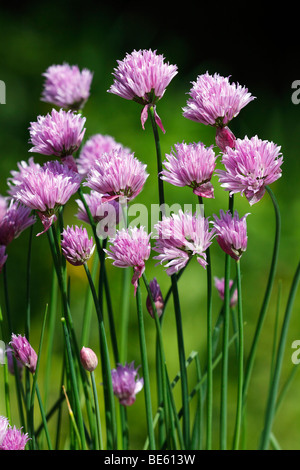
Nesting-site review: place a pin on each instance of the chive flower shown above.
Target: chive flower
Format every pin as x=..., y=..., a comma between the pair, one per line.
x=93, y=149
x=250, y=167
x=66, y=86
x=231, y=233
x=116, y=175
x=215, y=101
x=191, y=165
x=59, y=133
x=143, y=76
x=76, y=246
x=126, y=383
x=130, y=248
x=180, y=237
x=45, y=189
x=14, y=221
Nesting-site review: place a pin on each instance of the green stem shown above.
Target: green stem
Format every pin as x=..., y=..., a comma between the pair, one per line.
x=263, y=311
x=183, y=372
x=209, y=348
x=145, y=368
x=159, y=162
x=271, y=405
x=240, y=360
x=110, y=412
x=99, y=445
x=75, y=389
x=224, y=377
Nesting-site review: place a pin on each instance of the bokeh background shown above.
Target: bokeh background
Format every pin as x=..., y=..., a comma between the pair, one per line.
x=259, y=51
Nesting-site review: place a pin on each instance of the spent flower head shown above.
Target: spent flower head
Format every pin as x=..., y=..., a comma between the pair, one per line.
x=66, y=86
x=143, y=76
x=181, y=236
x=191, y=165
x=249, y=167
x=126, y=383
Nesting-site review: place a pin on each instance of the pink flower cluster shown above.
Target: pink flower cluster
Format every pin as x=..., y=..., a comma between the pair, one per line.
x=143, y=76
x=11, y=438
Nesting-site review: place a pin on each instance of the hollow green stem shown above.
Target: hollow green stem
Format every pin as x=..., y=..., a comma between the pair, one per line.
x=145, y=368
x=271, y=404
x=110, y=412
x=263, y=311
x=224, y=377
x=183, y=372
x=240, y=360
x=99, y=444
x=159, y=161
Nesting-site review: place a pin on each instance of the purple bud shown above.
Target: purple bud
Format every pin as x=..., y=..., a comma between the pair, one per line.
x=225, y=138
x=88, y=359
x=24, y=352
x=157, y=298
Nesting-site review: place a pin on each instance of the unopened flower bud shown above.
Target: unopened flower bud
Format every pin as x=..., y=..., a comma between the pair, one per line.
x=225, y=138
x=88, y=359
x=24, y=352
x=157, y=299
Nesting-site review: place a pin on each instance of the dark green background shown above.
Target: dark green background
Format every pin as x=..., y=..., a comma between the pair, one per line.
x=259, y=50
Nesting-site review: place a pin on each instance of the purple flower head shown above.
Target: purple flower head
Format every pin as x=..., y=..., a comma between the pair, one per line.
x=180, y=237
x=17, y=177
x=24, y=352
x=215, y=101
x=130, y=248
x=88, y=359
x=126, y=383
x=93, y=149
x=14, y=439
x=225, y=138
x=219, y=284
x=3, y=256
x=157, y=299
x=191, y=165
x=117, y=174
x=15, y=220
x=76, y=245
x=250, y=167
x=59, y=133
x=45, y=189
x=231, y=233
x=3, y=428
x=65, y=86
x=143, y=76
x=107, y=214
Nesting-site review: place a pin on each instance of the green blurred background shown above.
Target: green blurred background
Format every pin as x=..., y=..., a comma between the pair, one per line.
x=245, y=43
